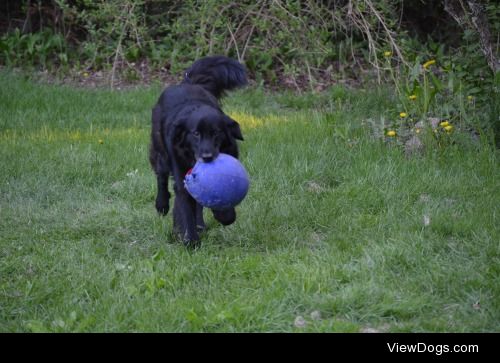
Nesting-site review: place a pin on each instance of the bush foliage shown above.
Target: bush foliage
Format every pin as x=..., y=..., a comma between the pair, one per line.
x=287, y=43
x=297, y=38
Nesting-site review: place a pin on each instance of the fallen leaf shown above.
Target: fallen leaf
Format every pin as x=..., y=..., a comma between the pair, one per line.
x=299, y=322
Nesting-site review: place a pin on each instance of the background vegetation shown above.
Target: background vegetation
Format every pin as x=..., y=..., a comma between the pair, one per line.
x=302, y=45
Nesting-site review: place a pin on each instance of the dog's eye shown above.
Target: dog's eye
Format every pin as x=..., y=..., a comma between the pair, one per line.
x=196, y=134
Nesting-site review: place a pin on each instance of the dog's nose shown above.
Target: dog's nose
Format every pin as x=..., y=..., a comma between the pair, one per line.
x=207, y=156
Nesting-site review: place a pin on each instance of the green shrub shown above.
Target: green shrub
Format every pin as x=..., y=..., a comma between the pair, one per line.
x=43, y=49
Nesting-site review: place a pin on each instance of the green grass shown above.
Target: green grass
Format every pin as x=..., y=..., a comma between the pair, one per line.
x=333, y=222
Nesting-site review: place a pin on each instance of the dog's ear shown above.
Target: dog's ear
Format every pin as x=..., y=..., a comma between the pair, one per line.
x=233, y=127
x=176, y=132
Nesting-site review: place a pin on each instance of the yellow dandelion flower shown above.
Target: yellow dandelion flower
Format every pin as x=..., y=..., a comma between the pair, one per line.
x=412, y=97
x=417, y=131
x=429, y=63
x=391, y=133
x=448, y=128
x=445, y=123
x=85, y=74
x=403, y=114
x=387, y=53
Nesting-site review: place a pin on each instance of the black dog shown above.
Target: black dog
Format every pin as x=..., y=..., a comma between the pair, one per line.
x=189, y=125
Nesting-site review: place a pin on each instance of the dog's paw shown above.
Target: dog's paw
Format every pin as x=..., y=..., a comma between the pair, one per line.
x=191, y=240
x=192, y=244
x=162, y=207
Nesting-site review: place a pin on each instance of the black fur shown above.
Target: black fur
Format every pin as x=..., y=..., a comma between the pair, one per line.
x=188, y=124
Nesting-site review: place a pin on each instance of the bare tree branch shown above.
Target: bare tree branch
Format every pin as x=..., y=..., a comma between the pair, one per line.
x=472, y=16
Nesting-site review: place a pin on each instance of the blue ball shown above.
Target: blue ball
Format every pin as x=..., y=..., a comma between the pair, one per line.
x=220, y=184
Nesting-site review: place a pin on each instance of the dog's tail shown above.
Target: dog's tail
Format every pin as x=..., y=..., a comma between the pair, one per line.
x=216, y=74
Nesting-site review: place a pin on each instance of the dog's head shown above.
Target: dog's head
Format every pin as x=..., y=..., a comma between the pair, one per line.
x=205, y=130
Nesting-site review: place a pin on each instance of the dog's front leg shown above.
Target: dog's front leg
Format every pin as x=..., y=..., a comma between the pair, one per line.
x=185, y=216
x=184, y=204
x=200, y=223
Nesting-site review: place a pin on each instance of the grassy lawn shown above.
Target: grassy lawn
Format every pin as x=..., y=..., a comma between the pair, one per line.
x=332, y=229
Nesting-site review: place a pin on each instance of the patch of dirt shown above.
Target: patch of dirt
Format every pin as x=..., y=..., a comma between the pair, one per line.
x=136, y=75
x=315, y=187
x=139, y=74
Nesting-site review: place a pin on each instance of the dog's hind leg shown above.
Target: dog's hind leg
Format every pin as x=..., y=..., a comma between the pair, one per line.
x=163, y=195
x=162, y=172
x=158, y=159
